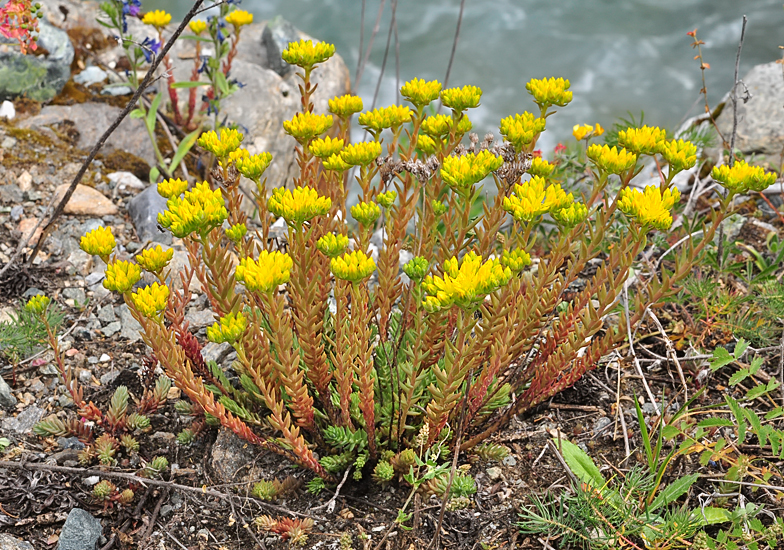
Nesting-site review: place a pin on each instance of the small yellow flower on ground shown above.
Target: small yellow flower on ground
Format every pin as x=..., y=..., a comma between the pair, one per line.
x=239, y=18
x=417, y=268
x=516, y=260
x=570, y=216
x=366, y=213
x=610, y=159
x=200, y=210
x=38, y=304
x=228, y=141
x=332, y=244
x=462, y=173
x=155, y=259
x=236, y=232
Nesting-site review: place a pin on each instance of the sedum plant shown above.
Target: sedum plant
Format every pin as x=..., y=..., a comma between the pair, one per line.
x=344, y=361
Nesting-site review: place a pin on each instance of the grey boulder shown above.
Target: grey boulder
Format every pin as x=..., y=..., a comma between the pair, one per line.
x=81, y=531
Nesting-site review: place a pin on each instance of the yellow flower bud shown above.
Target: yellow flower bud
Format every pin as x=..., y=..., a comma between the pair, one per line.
x=465, y=283
x=742, y=178
x=98, y=242
x=229, y=329
x=642, y=141
x=236, y=232
x=420, y=93
x=346, y=105
x=306, y=54
x=571, y=215
x=541, y=167
x=265, y=274
x=460, y=99
x=336, y=163
x=298, y=206
x=197, y=26
x=386, y=199
x=332, y=244
x=549, y=91
x=650, y=207
x=366, y=213
x=157, y=18
x=386, y=117
x=37, y=304
x=610, y=159
x=172, y=188
x=462, y=173
x=228, y=141
x=238, y=18
x=522, y=129
x=120, y=276
x=151, y=299
x=361, y=154
x=200, y=210
x=681, y=155
x=353, y=266
x=417, y=268
x=516, y=260
x=155, y=259
x=306, y=126
x=325, y=148
x=250, y=166
x=426, y=144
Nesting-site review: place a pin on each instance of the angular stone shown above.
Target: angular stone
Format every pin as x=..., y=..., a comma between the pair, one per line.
x=86, y=201
x=81, y=531
x=130, y=326
x=91, y=75
x=275, y=38
x=7, y=542
x=91, y=120
x=37, y=77
x=144, y=209
x=24, y=421
x=125, y=181
x=7, y=110
x=232, y=459
x=26, y=227
x=7, y=399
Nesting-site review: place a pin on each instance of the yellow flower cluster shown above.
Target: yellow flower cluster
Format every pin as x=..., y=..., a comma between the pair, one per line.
x=265, y=274
x=228, y=141
x=229, y=329
x=521, y=129
x=251, y=166
x=151, y=299
x=346, y=105
x=336, y=162
x=742, y=178
x=332, y=244
x=326, y=147
x=460, y=99
x=385, y=117
x=361, y=154
x=352, y=266
x=201, y=209
x=298, y=206
x=121, y=276
x=238, y=18
x=426, y=144
x=366, y=213
x=541, y=167
x=305, y=53
x=516, y=260
x=534, y=198
x=37, y=304
x=305, y=126
x=650, y=207
x=420, y=93
x=416, y=268
x=642, y=141
x=681, y=155
x=571, y=215
x=172, y=188
x=198, y=26
x=610, y=159
x=157, y=18
x=462, y=173
x=386, y=199
x=99, y=242
x=587, y=131
x=549, y=91
x=236, y=232
x=155, y=259
x=465, y=283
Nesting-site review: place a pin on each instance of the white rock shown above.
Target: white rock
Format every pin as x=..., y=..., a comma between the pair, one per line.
x=104, y=358
x=125, y=180
x=7, y=110
x=25, y=181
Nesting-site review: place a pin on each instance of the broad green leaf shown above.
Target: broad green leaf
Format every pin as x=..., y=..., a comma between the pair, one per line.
x=711, y=516
x=775, y=413
x=756, y=363
x=756, y=425
x=673, y=491
x=196, y=38
x=223, y=84
x=137, y=113
x=714, y=422
x=738, y=377
x=189, y=84
x=737, y=412
x=185, y=145
x=154, y=173
x=756, y=391
x=721, y=357
x=740, y=348
x=153, y=112
x=669, y=431
x=581, y=464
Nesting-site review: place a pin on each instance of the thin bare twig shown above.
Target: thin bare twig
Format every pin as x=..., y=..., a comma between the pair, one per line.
x=330, y=504
x=364, y=58
x=454, y=43
x=670, y=351
x=386, y=55
x=58, y=210
x=735, y=94
x=634, y=355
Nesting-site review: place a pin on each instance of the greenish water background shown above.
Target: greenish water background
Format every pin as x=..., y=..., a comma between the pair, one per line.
x=620, y=55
